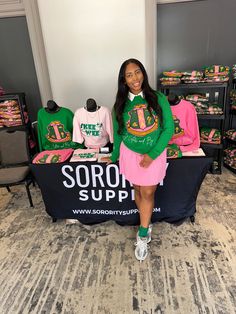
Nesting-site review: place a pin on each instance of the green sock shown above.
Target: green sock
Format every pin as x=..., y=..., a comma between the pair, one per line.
x=142, y=232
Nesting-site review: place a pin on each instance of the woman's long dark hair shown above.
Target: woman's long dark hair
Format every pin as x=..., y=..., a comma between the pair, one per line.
x=123, y=91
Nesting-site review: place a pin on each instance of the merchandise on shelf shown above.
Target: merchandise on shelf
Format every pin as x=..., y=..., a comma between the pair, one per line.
x=231, y=134
x=210, y=135
x=173, y=74
x=234, y=71
x=216, y=73
x=13, y=110
x=211, y=74
x=192, y=77
x=230, y=157
x=195, y=98
x=233, y=99
x=202, y=105
x=171, y=78
x=10, y=114
x=209, y=100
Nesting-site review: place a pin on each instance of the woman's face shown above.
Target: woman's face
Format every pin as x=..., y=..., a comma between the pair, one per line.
x=134, y=78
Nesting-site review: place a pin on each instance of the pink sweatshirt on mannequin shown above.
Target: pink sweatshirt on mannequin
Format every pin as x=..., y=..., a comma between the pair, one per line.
x=186, y=126
x=93, y=128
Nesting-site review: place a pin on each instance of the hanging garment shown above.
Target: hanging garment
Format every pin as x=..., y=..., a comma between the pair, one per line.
x=186, y=134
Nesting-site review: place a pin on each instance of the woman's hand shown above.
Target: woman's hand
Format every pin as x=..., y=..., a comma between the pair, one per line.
x=107, y=160
x=146, y=161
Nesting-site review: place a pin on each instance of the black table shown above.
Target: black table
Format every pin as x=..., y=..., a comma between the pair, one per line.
x=95, y=192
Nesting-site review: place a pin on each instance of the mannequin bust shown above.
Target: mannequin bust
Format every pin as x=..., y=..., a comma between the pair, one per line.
x=91, y=105
x=52, y=106
x=173, y=99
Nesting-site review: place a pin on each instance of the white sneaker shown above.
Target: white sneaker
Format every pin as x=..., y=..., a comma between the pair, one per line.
x=141, y=250
x=71, y=221
x=149, y=234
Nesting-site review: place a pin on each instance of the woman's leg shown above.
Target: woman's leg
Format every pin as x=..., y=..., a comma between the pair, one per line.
x=146, y=204
x=144, y=199
x=137, y=195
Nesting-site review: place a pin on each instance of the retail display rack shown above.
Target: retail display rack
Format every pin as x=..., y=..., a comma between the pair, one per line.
x=218, y=94
x=230, y=143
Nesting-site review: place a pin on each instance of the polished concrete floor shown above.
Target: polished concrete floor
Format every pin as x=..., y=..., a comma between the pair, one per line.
x=50, y=267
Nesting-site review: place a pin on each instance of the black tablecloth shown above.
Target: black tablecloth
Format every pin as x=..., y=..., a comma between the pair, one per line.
x=94, y=192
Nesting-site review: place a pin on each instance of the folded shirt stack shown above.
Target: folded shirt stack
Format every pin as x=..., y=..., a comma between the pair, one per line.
x=234, y=71
x=193, y=77
x=10, y=113
x=194, y=98
x=173, y=151
x=199, y=101
x=216, y=73
x=171, y=78
x=53, y=156
x=233, y=99
x=231, y=134
x=202, y=105
x=210, y=135
x=80, y=154
x=215, y=109
x=230, y=157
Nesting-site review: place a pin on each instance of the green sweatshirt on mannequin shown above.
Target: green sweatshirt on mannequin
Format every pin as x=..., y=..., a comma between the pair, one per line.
x=55, y=129
x=143, y=132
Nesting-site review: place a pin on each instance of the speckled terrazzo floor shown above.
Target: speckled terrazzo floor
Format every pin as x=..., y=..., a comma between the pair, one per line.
x=49, y=267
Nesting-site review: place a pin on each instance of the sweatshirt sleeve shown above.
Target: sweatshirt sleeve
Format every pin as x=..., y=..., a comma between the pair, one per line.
x=117, y=139
x=167, y=127
x=109, y=127
x=70, y=117
x=77, y=134
x=39, y=131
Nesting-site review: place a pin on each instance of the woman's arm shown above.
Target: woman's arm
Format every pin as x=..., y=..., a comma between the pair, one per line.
x=167, y=127
x=117, y=139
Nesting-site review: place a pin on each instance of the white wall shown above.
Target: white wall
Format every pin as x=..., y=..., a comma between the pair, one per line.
x=86, y=41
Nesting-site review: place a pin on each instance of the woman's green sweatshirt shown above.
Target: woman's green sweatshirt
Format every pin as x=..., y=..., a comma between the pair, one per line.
x=143, y=132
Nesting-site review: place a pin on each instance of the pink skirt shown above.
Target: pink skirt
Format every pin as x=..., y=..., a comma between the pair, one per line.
x=130, y=168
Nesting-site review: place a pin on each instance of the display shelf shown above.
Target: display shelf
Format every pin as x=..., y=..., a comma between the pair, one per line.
x=227, y=141
x=193, y=86
x=208, y=145
x=230, y=141
x=229, y=168
x=211, y=116
x=232, y=111
x=21, y=104
x=15, y=128
x=16, y=118
x=218, y=94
